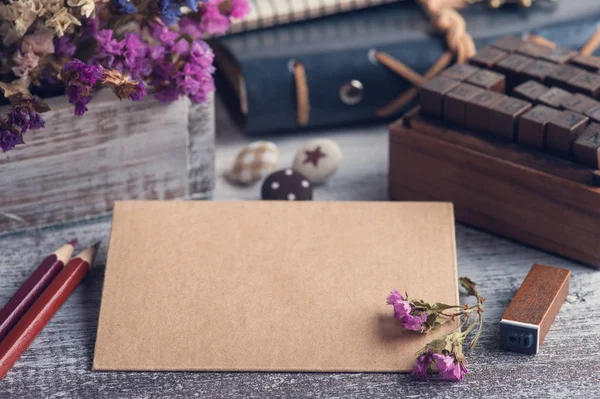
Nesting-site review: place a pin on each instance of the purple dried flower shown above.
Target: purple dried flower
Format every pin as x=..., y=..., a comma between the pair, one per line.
x=24, y=117
x=77, y=71
x=182, y=47
x=422, y=367
x=239, y=8
x=64, y=47
x=414, y=322
x=138, y=92
x=158, y=52
x=91, y=26
x=191, y=28
x=163, y=34
x=450, y=368
x=107, y=43
x=35, y=120
x=9, y=139
x=18, y=117
x=134, y=48
x=195, y=81
x=136, y=56
x=202, y=54
x=403, y=311
x=402, y=308
x=213, y=21
x=108, y=49
x=167, y=94
x=80, y=80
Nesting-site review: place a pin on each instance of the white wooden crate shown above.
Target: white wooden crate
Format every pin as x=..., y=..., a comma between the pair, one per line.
x=76, y=167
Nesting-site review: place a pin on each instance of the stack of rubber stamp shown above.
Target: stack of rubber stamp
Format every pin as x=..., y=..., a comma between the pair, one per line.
x=553, y=105
x=513, y=139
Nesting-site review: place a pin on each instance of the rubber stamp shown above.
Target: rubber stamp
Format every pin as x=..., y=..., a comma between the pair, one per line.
x=530, y=314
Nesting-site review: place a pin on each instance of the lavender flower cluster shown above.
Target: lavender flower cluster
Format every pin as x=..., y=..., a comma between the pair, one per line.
x=136, y=44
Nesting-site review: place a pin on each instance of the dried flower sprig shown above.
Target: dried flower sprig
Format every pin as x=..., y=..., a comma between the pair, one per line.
x=445, y=354
x=24, y=115
x=82, y=79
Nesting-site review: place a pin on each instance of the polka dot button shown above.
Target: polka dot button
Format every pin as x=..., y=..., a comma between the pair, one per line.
x=286, y=185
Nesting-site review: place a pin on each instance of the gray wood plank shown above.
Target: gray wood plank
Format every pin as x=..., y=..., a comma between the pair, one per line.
x=76, y=167
x=58, y=364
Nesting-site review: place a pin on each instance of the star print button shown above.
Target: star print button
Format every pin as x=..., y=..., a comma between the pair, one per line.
x=286, y=185
x=318, y=159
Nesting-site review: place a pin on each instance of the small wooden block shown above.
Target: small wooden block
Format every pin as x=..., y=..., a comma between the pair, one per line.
x=504, y=115
x=455, y=102
x=488, y=80
x=587, y=83
x=589, y=62
x=514, y=63
x=594, y=113
x=538, y=70
x=512, y=67
x=562, y=75
x=530, y=90
x=587, y=146
x=555, y=97
x=559, y=55
x=478, y=110
x=432, y=93
x=534, y=307
x=533, y=50
x=460, y=72
x=487, y=57
x=509, y=43
x=562, y=131
x=579, y=103
x=532, y=126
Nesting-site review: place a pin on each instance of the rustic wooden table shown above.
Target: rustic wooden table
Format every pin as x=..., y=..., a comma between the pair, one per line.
x=58, y=364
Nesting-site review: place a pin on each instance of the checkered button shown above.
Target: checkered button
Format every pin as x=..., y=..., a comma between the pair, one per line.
x=254, y=162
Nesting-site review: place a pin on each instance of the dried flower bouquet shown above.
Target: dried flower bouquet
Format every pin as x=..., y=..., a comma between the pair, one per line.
x=81, y=45
x=443, y=356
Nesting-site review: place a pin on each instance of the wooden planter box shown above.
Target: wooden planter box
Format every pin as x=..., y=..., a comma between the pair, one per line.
x=77, y=167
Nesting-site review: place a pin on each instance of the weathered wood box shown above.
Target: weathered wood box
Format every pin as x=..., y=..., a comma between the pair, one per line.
x=529, y=196
x=76, y=167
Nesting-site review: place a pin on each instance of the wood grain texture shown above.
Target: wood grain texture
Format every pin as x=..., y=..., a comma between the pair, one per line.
x=512, y=191
x=58, y=364
x=76, y=167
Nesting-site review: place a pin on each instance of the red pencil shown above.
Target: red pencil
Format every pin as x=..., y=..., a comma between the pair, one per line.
x=42, y=310
x=33, y=287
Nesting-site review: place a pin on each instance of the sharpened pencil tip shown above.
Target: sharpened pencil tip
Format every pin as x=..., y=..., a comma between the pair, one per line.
x=89, y=254
x=73, y=242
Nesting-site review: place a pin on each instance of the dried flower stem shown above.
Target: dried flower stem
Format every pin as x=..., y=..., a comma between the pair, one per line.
x=443, y=355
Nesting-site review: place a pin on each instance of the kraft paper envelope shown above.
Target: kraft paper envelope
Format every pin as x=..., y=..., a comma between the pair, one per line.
x=270, y=286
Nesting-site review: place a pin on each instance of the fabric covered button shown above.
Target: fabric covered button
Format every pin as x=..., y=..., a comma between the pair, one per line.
x=318, y=159
x=254, y=162
x=286, y=185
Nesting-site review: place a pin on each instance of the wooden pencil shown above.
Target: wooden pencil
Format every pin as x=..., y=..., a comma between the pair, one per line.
x=33, y=287
x=42, y=310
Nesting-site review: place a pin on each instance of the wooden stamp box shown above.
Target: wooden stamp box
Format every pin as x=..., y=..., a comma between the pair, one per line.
x=76, y=167
x=528, y=196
